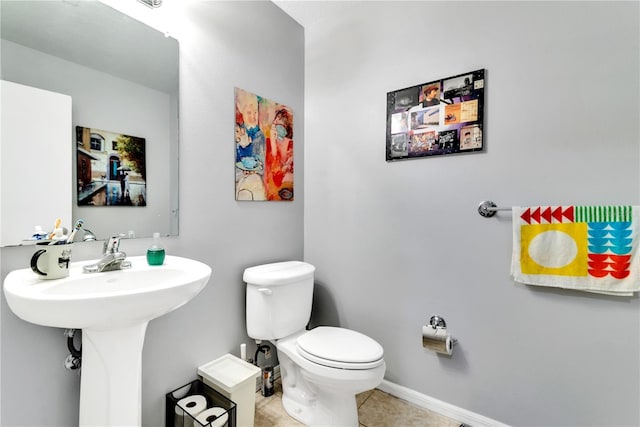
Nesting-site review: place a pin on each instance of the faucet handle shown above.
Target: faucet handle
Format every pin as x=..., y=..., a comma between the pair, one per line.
x=112, y=245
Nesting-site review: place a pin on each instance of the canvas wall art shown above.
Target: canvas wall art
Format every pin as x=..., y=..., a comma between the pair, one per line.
x=111, y=168
x=264, y=148
x=440, y=117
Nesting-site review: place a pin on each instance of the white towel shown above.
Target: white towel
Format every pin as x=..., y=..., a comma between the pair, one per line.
x=589, y=248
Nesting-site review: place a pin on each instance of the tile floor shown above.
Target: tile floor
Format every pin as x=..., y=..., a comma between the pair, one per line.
x=375, y=409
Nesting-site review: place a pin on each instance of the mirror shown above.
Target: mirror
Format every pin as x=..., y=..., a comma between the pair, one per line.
x=122, y=76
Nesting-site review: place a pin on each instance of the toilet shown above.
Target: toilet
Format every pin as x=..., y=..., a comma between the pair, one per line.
x=322, y=369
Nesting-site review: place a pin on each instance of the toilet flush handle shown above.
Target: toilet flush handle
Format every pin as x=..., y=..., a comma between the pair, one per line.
x=265, y=291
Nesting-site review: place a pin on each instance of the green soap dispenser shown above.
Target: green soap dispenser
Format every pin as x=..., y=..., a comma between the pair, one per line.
x=155, y=254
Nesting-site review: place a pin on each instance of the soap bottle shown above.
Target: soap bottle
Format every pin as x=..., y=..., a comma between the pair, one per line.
x=155, y=254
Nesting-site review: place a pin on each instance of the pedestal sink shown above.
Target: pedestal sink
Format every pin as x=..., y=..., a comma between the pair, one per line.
x=113, y=310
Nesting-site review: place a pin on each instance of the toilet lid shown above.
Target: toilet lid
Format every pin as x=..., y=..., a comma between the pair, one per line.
x=340, y=348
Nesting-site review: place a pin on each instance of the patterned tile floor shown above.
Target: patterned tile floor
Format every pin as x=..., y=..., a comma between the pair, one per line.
x=375, y=409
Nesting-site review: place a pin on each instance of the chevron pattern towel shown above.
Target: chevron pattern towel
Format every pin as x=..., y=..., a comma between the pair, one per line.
x=589, y=248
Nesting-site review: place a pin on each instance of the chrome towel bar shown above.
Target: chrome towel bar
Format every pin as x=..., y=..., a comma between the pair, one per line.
x=488, y=209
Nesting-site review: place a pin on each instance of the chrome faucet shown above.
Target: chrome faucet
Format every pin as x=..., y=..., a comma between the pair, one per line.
x=112, y=257
x=88, y=236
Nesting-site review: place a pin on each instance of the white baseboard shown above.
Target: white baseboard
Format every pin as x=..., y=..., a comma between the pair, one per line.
x=423, y=401
x=443, y=408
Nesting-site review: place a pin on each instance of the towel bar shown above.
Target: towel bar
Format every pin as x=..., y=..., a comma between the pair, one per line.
x=488, y=209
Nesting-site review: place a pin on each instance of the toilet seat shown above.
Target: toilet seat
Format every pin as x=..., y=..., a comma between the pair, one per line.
x=340, y=348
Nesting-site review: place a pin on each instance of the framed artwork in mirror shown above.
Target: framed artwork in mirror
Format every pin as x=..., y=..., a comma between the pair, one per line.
x=111, y=168
x=264, y=148
x=440, y=117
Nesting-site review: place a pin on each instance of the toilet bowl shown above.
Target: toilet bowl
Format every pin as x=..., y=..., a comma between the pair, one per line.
x=322, y=369
x=319, y=391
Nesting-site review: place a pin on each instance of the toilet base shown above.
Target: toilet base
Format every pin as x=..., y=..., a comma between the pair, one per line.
x=321, y=396
x=336, y=410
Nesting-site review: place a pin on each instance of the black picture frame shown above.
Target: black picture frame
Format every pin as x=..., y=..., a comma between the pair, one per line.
x=440, y=117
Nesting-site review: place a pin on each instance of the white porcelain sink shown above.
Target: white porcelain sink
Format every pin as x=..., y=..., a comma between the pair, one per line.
x=113, y=310
x=105, y=300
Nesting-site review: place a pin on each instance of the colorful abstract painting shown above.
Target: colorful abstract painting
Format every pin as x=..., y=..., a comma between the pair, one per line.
x=577, y=247
x=264, y=148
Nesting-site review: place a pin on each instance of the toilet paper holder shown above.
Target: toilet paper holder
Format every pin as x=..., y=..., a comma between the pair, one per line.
x=438, y=322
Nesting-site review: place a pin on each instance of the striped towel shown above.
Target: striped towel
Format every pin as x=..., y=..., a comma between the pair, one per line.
x=589, y=248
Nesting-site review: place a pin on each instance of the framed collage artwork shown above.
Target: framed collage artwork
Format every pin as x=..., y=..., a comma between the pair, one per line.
x=440, y=117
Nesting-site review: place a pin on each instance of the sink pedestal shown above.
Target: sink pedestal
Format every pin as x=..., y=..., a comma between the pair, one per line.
x=112, y=309
x=111, y=376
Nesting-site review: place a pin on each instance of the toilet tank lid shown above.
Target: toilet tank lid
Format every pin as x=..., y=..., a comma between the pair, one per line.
x=279, y=273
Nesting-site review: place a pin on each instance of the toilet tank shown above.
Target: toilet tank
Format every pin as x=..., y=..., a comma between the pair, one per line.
x=278, y=301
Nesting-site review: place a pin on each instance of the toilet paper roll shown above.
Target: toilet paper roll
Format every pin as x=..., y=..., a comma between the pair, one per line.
x=437, y=339
x=189, y=408
x=181, y=418
x=214, y=417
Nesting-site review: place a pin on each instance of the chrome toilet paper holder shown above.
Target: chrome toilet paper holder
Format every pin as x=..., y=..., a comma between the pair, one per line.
x=439, y=322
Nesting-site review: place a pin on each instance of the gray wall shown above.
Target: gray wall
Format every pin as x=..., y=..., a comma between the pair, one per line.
x=252, y=45
x=395, y=243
